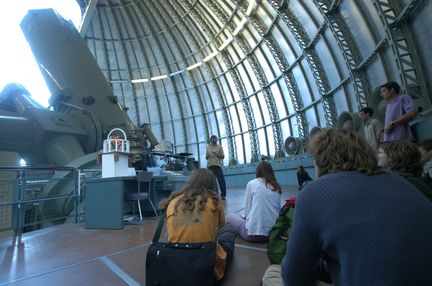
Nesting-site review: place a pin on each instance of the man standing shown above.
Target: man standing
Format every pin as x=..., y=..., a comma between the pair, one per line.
x=400, y=110
x=372, y=128
x=214, y=156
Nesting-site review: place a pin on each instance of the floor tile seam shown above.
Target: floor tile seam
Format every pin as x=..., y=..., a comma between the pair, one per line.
x=117, y=270
x=11, y=240
x=50, y=271
x=128, y=249
x=74, y=264
x=261, y=249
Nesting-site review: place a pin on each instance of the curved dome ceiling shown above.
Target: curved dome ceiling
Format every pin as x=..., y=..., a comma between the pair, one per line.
x=255, y=72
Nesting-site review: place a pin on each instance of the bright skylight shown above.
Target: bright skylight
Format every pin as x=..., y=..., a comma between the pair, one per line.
x=17, y=64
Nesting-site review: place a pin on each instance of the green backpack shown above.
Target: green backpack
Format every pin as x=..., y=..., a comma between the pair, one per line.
x=279, y=233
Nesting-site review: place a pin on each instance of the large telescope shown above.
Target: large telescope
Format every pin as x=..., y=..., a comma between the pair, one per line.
x=83, y=107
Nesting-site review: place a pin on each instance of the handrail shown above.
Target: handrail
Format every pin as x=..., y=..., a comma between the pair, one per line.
x=48, y=168
x=33, y=197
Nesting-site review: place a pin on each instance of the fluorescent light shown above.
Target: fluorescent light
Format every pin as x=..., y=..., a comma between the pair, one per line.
x=250, y=7
x=239, y=26
x=209, y=57
x=176, y=73
x=226, y=43
x=194, y=66
x=159, y=77
x=139, y=80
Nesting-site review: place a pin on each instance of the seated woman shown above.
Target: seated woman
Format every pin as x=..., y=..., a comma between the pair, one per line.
x=302, y=177
x=403, y=158
x=261, y=205
x=195, y=214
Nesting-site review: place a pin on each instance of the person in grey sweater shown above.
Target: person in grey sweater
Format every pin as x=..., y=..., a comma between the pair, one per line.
x=371, y=227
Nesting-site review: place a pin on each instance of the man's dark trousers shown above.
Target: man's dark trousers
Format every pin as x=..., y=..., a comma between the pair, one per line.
x=217, y=171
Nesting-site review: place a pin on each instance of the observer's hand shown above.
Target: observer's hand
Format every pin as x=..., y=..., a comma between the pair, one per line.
x=380, y=134
x=388, y=129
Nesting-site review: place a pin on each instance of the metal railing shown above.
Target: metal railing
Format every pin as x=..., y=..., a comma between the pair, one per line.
x=32, y=198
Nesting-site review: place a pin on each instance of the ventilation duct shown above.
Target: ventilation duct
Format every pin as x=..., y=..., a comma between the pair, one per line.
x=293, y=145
x=349, y=121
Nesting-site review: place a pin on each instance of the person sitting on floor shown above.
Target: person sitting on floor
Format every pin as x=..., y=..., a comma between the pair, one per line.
x=195, y=214
x=372, y=227
x=403, y=158
x=261, y=205
x=302, y=177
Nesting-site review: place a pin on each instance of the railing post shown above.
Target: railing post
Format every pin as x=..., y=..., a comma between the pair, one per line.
x=77, y=182
x=18, y=208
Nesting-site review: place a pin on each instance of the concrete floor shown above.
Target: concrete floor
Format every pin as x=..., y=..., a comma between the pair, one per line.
x=69, y=254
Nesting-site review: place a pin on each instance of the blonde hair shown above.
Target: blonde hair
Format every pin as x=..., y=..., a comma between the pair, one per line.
x=200, y=185
x=336, y=150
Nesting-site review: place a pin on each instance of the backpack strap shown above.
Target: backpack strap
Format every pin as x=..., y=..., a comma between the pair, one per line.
x=288, y=204
x=157, y=233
